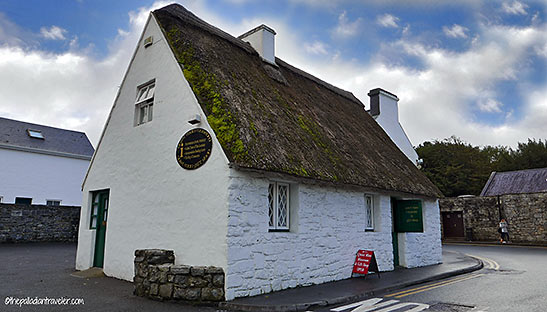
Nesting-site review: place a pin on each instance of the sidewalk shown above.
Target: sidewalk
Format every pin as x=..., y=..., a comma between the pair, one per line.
x=492, y=243
x=353, y=289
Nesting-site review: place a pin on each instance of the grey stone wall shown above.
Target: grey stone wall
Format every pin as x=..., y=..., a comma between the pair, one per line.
x=157, y=277
x=526, y=216
x=38, y=223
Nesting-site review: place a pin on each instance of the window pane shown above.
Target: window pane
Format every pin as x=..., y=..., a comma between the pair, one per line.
x=105, y=209
x=282, y=206
x=271, y=208
x=142, y=94
x=149, y=118
x=94, y=210
x=150, y=93
x=93, y=222
x=143, y=115
x=369, y=212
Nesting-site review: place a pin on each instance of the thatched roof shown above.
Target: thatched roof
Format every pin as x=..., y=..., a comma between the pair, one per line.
x=516, y=182
x=281, y=119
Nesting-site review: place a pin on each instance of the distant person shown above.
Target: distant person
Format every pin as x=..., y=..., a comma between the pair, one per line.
x=503, y=231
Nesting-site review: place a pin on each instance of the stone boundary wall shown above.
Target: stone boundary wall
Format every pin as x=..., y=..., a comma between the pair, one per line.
x=157, y=277
x=526, y=216
x=38, y=223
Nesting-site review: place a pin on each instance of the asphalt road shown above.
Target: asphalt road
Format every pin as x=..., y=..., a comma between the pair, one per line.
x=44, y=270
x=513, y=279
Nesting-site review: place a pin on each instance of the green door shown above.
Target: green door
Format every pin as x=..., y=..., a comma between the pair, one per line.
x=394, y=236
x=99, y=213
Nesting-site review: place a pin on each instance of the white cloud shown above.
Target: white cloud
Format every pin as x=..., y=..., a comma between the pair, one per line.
x=490, y=105
x=53, y=33
x=516, y=8
x=345, y=28
x=76, y=91
x=317, y=47
x=457, y=31
x=70, y=89
x=387, y=20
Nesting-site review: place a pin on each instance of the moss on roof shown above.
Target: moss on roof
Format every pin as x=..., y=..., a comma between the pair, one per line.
x=282, y=119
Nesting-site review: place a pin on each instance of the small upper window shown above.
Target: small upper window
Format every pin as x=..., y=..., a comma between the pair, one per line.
x=369, y=213
x=23, y=200
x=53, y=202
x=144, y=104
x=35, y=134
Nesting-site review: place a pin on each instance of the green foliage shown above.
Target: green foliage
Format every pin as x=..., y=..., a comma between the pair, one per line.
x=458, y=168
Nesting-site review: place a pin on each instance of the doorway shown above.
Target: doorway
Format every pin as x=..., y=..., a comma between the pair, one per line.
x=99, y=214
x=453, y=224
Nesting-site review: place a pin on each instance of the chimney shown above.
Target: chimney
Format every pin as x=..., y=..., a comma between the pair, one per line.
x=384, y=103
x=262, y=39
x=384, y=109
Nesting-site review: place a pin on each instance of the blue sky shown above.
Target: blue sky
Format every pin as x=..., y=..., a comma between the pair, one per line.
x=474, y=69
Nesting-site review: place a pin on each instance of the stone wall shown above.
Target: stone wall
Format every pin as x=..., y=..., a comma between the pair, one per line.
x=38, y=223
x=157, y=277
x=526, y=216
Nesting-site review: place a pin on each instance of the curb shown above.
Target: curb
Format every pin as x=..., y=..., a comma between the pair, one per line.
x=348, y=299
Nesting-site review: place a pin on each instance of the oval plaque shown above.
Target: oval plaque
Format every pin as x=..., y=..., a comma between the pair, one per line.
x=194, y=148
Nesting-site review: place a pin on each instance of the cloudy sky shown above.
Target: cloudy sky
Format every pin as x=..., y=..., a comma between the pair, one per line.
x=469, y=68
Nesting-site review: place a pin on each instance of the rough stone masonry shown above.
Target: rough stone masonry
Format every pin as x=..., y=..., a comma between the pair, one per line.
x=157, y=277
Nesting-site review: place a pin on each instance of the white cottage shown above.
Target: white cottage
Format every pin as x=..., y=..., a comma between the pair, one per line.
x=234, y=158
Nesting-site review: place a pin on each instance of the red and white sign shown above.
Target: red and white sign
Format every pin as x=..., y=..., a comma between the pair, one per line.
x=362, y=261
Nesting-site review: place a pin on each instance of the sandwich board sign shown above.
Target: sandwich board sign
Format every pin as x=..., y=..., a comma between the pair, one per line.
x=365, y=261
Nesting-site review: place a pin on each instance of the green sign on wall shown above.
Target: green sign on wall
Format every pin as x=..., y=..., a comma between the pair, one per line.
x=408, y=216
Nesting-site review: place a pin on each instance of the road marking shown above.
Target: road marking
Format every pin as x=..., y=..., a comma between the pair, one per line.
x=426, y=286
x=385, y=306
x=368, y=302
x=437, y=286
x=491, y=263
x=418, y=307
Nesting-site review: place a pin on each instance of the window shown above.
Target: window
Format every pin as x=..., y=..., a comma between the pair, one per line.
x=278, y=202
x=94, y=211
x=37, y=134
x=23, y=200
x=144, y=104
x=53, y=202
x=369, y=213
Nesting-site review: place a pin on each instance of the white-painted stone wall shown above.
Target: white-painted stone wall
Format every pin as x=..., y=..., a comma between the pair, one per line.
x=41, y=177
x=154, y=203
x=327, y=229
x=420, y=249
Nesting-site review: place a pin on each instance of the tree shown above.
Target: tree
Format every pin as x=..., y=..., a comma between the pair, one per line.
x=458, y=168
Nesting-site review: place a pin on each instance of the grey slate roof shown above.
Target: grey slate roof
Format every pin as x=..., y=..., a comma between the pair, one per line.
x=516, y=182
x=13, y=135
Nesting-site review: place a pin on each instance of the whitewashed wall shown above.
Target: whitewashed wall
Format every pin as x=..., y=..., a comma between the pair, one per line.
x=327, y=229
x=41, y=177
x=154, y=203
x=420, y=249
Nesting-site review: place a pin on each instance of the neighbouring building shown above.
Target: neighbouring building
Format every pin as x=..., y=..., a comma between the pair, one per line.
x=227, y=155
x=42, y=165
x=518, y=196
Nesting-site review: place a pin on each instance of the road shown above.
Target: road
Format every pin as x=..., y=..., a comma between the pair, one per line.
x=513, y=279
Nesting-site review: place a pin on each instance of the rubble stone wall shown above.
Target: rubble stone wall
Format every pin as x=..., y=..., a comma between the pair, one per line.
x=157, y=277
x=38, y=223
x=526, y=215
